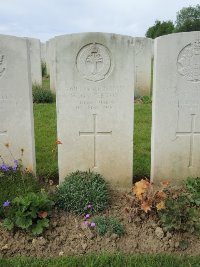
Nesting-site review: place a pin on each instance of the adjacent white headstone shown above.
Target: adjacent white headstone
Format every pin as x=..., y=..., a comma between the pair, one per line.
x=176, y=107
x=43, y=52
x=52, y=64
x=95, y=100
x=35, y=57
x=143, y=58
x=16, y=116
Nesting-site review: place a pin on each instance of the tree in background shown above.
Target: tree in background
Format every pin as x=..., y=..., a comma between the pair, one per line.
x=188, y=19
x=159, y=29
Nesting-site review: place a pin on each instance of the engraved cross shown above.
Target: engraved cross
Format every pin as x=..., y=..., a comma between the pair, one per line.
x=94, y=134
x=191, y=134
x=94, y=58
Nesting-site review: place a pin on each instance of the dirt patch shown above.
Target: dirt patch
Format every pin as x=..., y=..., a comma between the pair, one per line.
x=67, y=235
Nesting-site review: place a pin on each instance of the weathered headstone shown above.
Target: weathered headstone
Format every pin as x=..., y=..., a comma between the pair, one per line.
x=52, y=64
x=95, y=99
x=16, y=116
x=35, y=58
x=176, y=107
x=43, y=52
x=143, y=58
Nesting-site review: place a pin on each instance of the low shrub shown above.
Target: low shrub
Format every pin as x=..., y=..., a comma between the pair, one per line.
x=42, y=95
x=108, y=225
x=79, y=189
x=29, y=212
x=182, y=212
x=15, y=181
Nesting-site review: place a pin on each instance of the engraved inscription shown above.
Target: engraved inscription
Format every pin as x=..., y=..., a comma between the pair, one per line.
x=93, y=98
x=2, y=64
x=188, y=62
x=191, y=134
x=94, y=62
x=94, y=134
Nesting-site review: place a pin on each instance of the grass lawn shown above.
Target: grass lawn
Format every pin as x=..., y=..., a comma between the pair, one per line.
x=117, y=260
x=45, y=138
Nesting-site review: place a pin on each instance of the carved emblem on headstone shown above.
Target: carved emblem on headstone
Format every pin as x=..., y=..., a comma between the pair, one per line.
x=2, y=64
x=94, y=62
x=188, y=62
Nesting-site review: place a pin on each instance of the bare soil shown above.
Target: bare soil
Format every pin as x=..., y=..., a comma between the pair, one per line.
x=67, y=235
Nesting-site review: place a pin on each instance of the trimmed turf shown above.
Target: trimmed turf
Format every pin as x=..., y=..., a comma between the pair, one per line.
x=45, y=140
x=105, y=260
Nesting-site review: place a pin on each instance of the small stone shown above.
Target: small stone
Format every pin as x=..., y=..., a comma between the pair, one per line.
x=54, y=224
x=159, y=232
x=176, y=245
x=61, y=253
x=34, y=241
x=114, y=237
x=5, y=247
x=84, y=246
x=168, y=236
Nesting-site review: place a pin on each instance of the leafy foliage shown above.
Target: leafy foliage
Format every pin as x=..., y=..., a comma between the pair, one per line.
x=108, y=225
x=42, y=95
x=15, y=183
x=182, y=208
x=146, y=99
x=44, y=69
x=28, y=212
x=159, y=29
x=188, y=19
x=193, y=187
x=146, y=199
x=79, y=189
x=179, y=214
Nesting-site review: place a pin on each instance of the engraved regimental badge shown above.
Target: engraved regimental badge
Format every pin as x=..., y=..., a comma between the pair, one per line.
x=188, y=62
x=94, y=62
x=2, y=64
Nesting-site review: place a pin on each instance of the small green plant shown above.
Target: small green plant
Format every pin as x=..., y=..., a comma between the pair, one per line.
x=193, y=187
x=44, y=69
x=79, y=189
x=180, y=214
x=15, y=180
x=28, y=212
x=41, y=95
x=146, y=99
x=108, y=225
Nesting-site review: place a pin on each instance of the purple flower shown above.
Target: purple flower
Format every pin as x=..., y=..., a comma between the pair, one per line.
x=16, y=162
x=89, y=206
x=92, y=224
x=86, y=223
x=4, y=167
x=6, y=204
x=87, y=216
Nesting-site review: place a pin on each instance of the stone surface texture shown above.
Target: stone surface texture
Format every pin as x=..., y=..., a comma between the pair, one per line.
x=35, y=58
x=176, y=108
x=143, y=57
x=52, y=64
x=16, y=116
x=95, y=100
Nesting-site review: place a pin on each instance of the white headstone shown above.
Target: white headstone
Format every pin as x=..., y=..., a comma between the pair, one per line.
x=176, y=107
x=16, y=106
x=35, y=57
x=143, y=57
x=95, y=100
x=52, y=64
x=43, y=52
